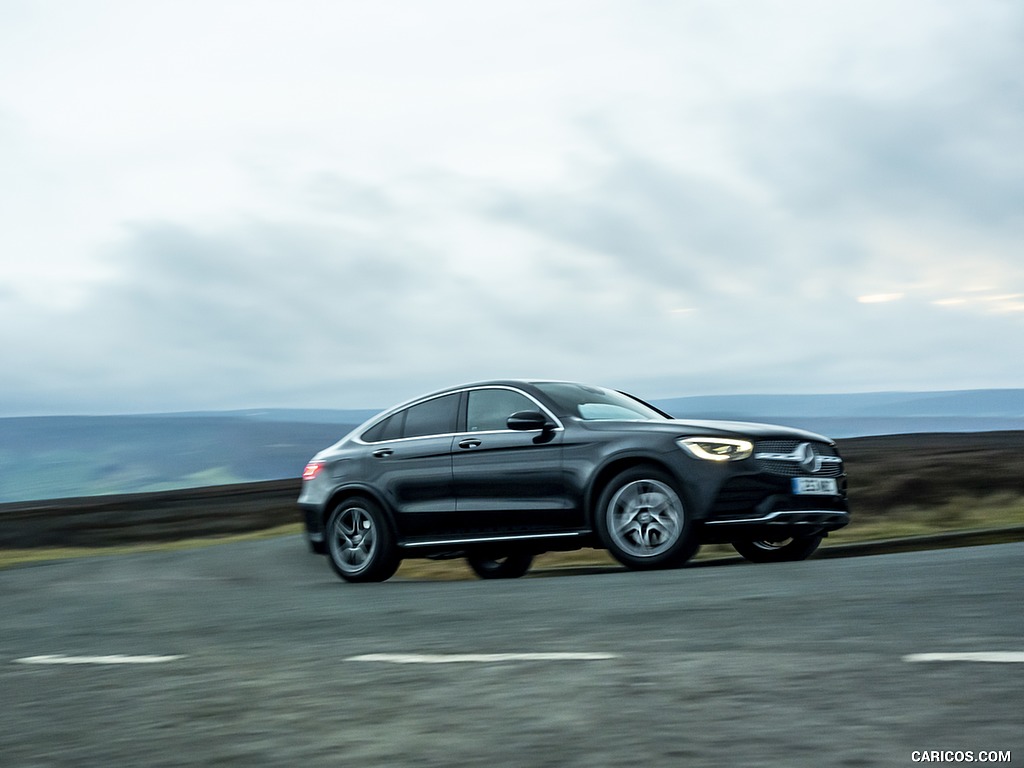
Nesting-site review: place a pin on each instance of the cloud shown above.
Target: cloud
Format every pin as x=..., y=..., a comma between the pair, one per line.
x=349, y=204
x=933, y=136
x=204, y=319
x=648, y=219
x=950, y=158
x=879, y=298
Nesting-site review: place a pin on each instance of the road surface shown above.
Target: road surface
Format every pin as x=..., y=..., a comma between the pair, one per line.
x=254, y=654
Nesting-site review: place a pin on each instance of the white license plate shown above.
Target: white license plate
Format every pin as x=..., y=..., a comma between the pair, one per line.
x=815, y=486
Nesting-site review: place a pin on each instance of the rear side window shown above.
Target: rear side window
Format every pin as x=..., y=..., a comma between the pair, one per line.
x=433, y=417
x=389, y=429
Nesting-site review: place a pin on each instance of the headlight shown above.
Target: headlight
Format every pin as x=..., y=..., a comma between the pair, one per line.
x=716, y=448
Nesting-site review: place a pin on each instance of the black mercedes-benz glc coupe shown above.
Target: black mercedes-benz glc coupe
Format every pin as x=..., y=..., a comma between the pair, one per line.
x=500, y=471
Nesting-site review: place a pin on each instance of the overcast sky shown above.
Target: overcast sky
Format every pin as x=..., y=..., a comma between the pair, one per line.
x=211, y=204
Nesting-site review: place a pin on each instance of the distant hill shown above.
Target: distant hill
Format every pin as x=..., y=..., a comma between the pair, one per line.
x=966, y=403
x=69, y=456
x=861, y=415
x=347, y=418
x=65, y=456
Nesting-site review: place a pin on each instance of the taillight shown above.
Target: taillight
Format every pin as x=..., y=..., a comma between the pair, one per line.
x=312, y=470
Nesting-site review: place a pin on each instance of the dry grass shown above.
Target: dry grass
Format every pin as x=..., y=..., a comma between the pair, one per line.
x=11, y=557
x=888, y=474
x=957, y=514
x=960, y=514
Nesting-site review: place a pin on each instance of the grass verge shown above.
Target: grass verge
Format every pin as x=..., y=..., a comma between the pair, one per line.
x=12, y=557
x=960, y=514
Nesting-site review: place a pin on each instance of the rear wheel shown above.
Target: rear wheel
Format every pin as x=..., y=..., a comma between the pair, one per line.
x=779, y=550
x=643, y=522
x=360, y=545
x=488, y=565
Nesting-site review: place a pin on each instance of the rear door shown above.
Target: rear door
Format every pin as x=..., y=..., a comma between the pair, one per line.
x=411, y=462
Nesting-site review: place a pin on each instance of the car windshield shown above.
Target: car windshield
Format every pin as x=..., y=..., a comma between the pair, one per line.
x=596, y=403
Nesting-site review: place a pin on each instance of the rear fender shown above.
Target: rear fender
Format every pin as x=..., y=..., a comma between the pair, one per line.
x=358, y=489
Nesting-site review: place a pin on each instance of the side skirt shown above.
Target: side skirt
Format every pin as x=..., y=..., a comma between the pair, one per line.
x=557, y=540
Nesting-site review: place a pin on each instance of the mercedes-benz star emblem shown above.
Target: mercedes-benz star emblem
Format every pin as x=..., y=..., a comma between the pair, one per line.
x=809, y=459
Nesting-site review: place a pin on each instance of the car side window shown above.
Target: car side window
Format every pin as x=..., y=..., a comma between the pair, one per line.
x=389, y=429
x=489, y=409
x=433, y=417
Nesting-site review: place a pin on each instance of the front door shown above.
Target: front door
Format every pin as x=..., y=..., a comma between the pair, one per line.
x=507, y=481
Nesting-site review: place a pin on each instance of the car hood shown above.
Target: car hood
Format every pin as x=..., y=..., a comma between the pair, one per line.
x=702, y=427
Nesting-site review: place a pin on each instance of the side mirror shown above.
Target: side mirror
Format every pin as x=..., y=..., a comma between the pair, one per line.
x=525, y=421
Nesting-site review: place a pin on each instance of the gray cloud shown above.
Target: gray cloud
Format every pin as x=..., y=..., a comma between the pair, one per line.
x=203, y=320
x=831, y=155
x=679, y=207
x=948, y=148
x=719, y=250
x=649, y=218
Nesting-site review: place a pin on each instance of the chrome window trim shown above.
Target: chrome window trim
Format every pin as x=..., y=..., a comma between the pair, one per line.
x=358, y=438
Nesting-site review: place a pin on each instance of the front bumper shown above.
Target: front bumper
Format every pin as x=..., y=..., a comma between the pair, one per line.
x=776, y=525
x=762, y=507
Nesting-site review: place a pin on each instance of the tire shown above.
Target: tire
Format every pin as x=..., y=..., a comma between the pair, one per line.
x=643, y=522
x=781, y=551
x=360, y=545
x=317, y=547
x=490, y=565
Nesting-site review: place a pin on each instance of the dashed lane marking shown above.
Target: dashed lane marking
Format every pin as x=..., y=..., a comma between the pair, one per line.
x=477, y=658
x=995, y=657
x=115, y=659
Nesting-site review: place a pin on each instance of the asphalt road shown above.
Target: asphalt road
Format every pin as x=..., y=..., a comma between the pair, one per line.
x=791, y=665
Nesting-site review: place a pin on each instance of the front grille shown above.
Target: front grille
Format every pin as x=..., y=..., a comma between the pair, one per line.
x=789, y=458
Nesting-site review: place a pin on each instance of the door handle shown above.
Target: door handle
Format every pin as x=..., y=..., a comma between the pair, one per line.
x=469, y=442
x=380, y=453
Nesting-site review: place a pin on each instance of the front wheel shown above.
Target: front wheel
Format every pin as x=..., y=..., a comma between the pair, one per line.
x=643, y=522
x=489, y=566
x=317, y=547
x=779, y=550
x=359, y=542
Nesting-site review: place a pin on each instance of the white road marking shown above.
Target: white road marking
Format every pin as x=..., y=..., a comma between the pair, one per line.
x=116, y=659
x=997, y=657
x=477, y=658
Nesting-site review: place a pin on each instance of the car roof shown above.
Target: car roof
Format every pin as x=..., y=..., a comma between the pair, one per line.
x=527, y=384
x=518, y=383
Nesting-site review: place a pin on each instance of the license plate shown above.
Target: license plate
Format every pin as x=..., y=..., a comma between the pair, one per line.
x=815, y=486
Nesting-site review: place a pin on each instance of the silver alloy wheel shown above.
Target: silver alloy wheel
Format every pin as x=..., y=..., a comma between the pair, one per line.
x=645, y=518
x=353, y=539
